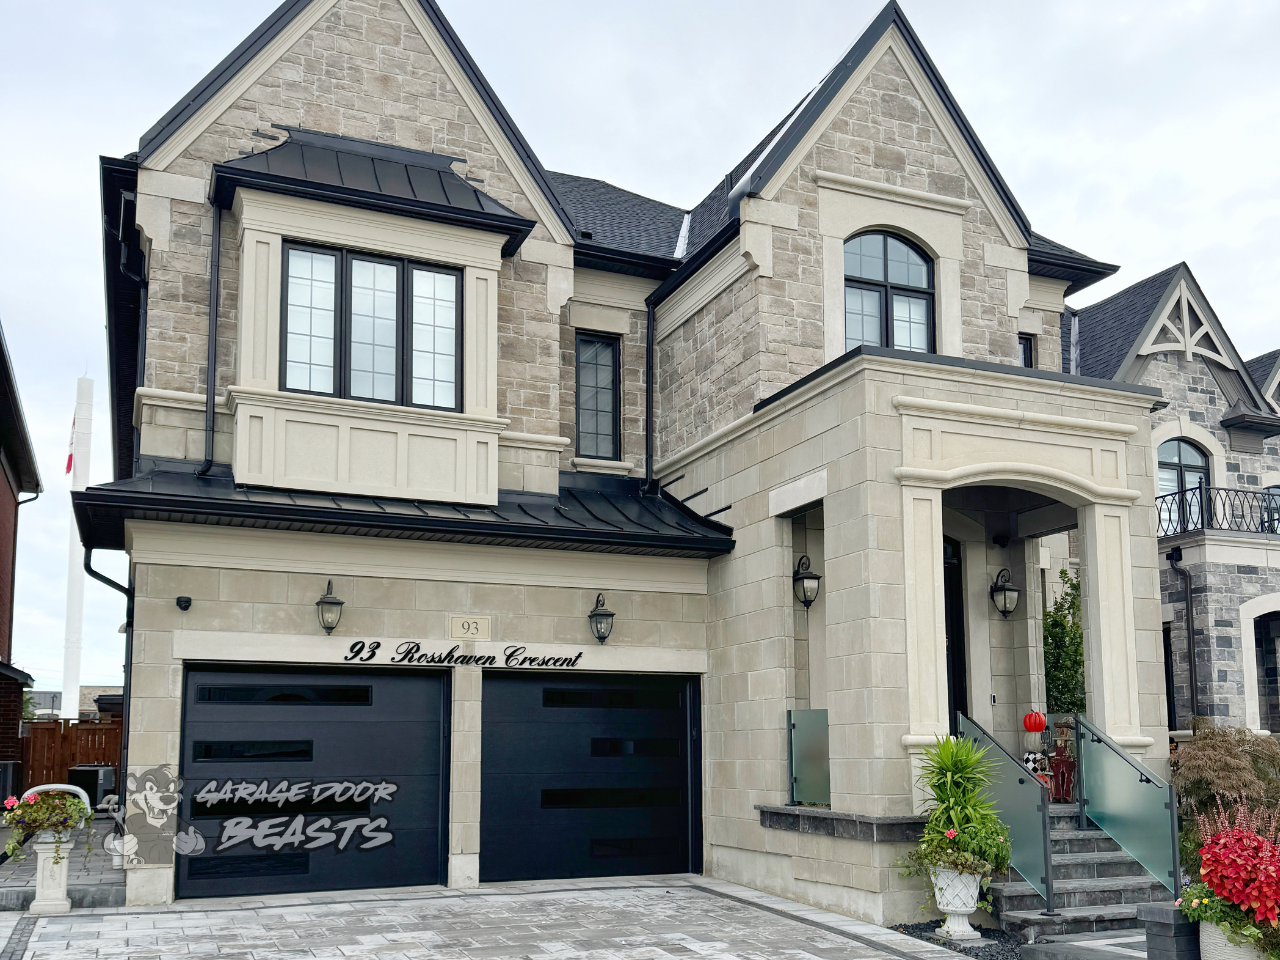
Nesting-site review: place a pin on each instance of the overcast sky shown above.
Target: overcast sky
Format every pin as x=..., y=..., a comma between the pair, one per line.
x=1139, y=132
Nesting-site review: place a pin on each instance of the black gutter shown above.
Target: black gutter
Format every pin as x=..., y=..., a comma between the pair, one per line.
x=1081, y=272
x=211, y=368
x=596, y=256
x=649, y=484
x=124, y=295
x=123, y=777
x=1174, y=556
x=227, y=179
x=962, y=363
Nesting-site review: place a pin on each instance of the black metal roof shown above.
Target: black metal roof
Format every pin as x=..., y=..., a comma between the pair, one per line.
x=15, y=441
x=1109, y=327
x=277, y=21
x=591, y=513
x=375, y=176
x=1261, y=368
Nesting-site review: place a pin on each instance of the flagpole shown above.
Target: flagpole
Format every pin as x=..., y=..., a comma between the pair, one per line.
x=78, y=468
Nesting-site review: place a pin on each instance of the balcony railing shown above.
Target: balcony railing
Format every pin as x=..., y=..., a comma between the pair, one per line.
x=1218, y=508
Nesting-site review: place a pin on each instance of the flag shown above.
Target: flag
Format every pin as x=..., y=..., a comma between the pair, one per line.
x=71, y=447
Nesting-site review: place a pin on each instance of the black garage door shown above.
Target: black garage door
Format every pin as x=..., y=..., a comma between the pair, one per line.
x=589, y=776
x=312, y=780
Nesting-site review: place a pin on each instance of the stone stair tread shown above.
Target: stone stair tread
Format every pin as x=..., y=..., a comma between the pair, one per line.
x=1109, y=856
x=1016, y=888
x=1075, y=833
x=1116, y=911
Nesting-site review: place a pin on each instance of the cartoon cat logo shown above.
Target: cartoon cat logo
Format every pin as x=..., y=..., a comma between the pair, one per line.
x=152, y=829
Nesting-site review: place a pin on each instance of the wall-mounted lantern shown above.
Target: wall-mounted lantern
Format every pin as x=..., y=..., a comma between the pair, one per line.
x=1004, y=594
x=805, y=582
x=601, y=619
x=329, y=609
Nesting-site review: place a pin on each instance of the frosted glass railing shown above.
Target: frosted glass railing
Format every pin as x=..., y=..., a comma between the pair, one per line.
x=1022, y=802
x=810, y=756
x=1128, y=802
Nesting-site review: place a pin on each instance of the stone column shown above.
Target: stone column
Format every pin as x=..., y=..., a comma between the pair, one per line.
x=464, y=778
x=926, y=640
x=1109, y=630
x=51, y=878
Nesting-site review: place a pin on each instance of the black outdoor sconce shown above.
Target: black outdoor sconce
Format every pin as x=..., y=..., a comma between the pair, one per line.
x=805, y=582
x=1004, y=594
x=329, y=609
x=601, y=619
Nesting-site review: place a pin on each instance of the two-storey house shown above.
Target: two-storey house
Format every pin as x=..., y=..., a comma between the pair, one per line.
x=473, y=509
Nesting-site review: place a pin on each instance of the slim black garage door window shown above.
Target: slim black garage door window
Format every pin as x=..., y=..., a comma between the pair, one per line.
x=589, y=776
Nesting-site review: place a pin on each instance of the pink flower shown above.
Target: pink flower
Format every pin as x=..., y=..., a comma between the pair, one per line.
x=1000, y=839
x=951, y=834
x=11, y=803
x=60, y=802
x=30, y=798
x=1178, y=902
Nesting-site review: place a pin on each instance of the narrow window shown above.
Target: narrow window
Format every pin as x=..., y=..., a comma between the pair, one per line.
x=372, y=328
x=598, y=397
x=1027, y=350
x=888, y=296
x=309, y=326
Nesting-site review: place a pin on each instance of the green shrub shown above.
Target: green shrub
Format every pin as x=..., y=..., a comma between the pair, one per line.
x=1064, y=650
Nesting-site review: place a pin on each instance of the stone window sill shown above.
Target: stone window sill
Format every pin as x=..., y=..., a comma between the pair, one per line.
x=847, y=826
x=616, y=468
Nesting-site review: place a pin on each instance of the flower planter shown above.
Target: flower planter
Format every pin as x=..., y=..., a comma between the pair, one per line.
x=957, y=896
x=1214, y=945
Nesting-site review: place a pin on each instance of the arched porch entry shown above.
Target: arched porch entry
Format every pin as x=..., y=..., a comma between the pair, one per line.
x=961, y=527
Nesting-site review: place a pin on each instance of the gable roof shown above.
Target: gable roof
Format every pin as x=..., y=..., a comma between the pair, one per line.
x=374, y=176
x=272, y=27
x=1109, y=328
x=15, y=441
x=1263, y=368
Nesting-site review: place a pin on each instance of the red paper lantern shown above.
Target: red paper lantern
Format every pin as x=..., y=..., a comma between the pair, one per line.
x=1035, y=722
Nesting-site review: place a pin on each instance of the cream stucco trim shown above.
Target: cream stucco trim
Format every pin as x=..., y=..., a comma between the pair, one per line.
x=232, y=91
x=366, y=408
x=1047, y=295
x=172, y=400
x=342, y=226
x=1183, y=340
x=1251, y=550
x=591, y=316
x=317, y=648
x=798, y=493
x=894, y=194
x=612, y=289
x=972, y=413
x=198, y=545
x=699, y=290
x=1034, y=476
x=552, y=254
x=614, y=468
x=845, y=371
x=532, y=441
x=892, y=40
x=1250, y=611
x=1206, y=441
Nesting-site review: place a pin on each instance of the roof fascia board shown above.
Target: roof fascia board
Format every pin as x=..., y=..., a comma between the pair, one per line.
x=1134, y=366
x=111, y=170
x=1271, y=389
x=891, y=32
x=28, y=475
x=229, y=81
x=492, y=116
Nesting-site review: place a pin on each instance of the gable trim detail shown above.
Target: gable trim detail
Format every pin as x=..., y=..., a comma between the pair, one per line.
x=890, y=31
x=894, y=194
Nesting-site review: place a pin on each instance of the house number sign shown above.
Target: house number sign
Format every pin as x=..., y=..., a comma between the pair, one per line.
x=469, y=628
x=411, y=652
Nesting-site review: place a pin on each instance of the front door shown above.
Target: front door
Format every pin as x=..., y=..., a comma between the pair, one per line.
x=957, y=670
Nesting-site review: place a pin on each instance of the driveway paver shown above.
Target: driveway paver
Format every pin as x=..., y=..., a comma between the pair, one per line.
x=626, y=919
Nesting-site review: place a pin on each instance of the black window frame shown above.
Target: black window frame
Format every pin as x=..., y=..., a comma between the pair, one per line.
x=614, y=342
x=345, y=256
x=1027, y=350
x=887, y=290
x=1183, y=468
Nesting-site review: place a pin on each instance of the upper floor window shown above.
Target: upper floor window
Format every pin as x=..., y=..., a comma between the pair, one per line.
x=366, y=327
x=888, y=294
x=1183, y=466
x=599, y=396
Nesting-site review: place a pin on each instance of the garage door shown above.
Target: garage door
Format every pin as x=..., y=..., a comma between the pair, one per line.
x=589, y=776
x=312, y=780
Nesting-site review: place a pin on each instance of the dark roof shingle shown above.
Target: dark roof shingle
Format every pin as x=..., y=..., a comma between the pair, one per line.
x=1261, y=368
x=1109, y=327
x=619, y=218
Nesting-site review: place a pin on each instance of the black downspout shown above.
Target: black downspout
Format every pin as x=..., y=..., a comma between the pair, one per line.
x=141, y=376
x=211, y=370
x=650, y=483
x=123, y=778
x=1174, y=556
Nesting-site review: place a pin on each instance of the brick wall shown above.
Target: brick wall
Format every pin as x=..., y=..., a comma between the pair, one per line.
x=10, y=717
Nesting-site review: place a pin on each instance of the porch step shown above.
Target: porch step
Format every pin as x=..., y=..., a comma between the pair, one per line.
x=1091, y=866
x=1033, y=924
x=1074, y=840
x=1109, y=891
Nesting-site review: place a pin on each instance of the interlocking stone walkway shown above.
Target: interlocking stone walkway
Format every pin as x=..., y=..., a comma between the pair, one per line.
x=626, y=919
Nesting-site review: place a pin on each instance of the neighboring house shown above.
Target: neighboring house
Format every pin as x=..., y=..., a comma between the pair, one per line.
x=47, y=704
x=18, y=462
x=93, y=699
x=479, y=509
x=1217, y=462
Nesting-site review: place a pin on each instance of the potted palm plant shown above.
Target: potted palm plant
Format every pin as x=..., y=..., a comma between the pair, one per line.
x=964, y=842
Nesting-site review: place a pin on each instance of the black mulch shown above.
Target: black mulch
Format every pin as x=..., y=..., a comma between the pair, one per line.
x=994, y=945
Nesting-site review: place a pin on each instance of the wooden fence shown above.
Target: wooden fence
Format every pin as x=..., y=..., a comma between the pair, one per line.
x=55, y=746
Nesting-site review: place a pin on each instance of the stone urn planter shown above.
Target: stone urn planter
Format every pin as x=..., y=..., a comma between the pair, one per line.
x=956, y=895
x=52, y=867
x=1214, y=945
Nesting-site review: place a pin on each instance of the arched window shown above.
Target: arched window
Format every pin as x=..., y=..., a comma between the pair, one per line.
x=888, y=294
x=1183, y=466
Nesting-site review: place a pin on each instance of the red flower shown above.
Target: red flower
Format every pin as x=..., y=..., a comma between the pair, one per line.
x=951, y=834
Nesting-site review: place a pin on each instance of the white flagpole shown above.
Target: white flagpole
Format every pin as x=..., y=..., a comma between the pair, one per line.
x=78, y=467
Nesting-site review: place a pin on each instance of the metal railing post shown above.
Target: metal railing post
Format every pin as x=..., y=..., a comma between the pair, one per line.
x=1046, y=799
x=1084, y=817
x=1177, y=847
x=1206, y=514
